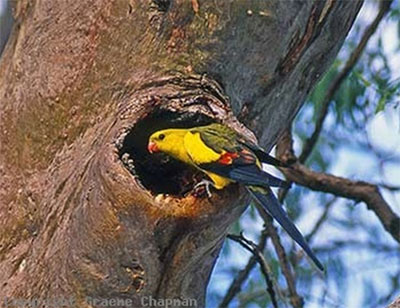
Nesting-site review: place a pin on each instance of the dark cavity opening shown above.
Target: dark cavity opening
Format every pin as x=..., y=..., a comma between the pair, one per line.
x=159, y=172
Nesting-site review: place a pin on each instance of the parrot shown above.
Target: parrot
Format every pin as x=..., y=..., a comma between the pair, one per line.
x=227, y=157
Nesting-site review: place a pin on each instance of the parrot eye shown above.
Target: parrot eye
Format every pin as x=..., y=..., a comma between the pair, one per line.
x=161, y=136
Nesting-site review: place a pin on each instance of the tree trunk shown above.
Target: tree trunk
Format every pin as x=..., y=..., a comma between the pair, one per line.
x=85, y=211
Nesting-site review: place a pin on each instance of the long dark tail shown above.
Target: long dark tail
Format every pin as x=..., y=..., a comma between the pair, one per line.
x=268, y=200
x=264, y=156
x=247, y=175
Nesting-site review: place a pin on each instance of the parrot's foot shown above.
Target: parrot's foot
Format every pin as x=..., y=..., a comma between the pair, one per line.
x=203, y=187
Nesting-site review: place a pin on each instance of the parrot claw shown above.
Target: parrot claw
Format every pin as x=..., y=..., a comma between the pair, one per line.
x=203, y=186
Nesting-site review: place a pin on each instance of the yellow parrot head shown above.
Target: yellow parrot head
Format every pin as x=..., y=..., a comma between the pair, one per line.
x=167, y=141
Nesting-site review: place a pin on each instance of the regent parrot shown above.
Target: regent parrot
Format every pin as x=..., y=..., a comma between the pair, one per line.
x=226, y=157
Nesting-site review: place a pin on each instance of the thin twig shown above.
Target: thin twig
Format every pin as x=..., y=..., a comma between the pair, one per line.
x=316, y=228
x=356, y=244
x=335, y=85
x=388, y=186
x=321, y=219
x=254, y=249
x=236, y=284
x=295, y=299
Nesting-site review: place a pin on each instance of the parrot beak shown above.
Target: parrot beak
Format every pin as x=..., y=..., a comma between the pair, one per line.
x=152, y=147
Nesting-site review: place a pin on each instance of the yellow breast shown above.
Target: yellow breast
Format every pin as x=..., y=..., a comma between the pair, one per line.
x=200, y=153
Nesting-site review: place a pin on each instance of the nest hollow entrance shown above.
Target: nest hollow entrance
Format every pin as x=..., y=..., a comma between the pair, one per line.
x=160, y=173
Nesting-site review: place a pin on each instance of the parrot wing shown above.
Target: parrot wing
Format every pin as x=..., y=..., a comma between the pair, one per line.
x=223, y=138
x=269, y=202
x=218, y=137
x=262, y=155
x=232, y=160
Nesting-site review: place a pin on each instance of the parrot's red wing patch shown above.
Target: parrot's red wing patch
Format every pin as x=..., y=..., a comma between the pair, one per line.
x=227, y=158
x=246, y=157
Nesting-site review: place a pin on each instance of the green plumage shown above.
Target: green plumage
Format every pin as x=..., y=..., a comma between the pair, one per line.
x=219, y=137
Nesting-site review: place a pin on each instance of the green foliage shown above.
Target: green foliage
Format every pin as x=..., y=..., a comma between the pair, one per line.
x=318, y=95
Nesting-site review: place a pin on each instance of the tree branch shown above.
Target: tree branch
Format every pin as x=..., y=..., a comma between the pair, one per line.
x=295, y=299
x=389, y=187
x=270, y=230
x=335, y=85
x=342, y=187
x=236, y=284
x=257, y=253
x=321, y=219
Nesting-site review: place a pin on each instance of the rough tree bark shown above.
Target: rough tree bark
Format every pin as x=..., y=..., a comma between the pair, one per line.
x=84, y=210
